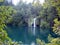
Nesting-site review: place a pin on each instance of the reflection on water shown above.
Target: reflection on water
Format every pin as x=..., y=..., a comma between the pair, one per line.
x=27, y=35
x=32, y=31
x=32, y=43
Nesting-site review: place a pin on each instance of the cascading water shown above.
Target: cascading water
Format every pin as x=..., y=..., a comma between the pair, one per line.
x=34, y=26
x=34, y=22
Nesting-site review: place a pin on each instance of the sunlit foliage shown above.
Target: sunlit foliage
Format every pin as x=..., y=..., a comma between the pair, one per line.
x=40, y=42
x=56, y=27
x=55, y=41
x=5, y=13
x=1, y=0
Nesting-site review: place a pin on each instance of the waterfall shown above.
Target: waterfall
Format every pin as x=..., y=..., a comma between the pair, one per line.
x=34, y=22
x=34, y=26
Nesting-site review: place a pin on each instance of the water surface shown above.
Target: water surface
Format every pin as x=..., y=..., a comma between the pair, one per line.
x=27, y=35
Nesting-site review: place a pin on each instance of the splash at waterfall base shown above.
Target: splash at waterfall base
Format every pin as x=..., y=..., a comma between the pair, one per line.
x=33, y=22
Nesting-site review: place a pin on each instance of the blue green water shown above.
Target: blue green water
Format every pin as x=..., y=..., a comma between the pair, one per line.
x=27, y=34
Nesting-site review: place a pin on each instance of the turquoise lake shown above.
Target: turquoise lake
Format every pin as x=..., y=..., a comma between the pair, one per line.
x=27, y=35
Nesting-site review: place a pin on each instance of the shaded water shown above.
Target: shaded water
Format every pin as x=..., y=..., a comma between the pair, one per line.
x=27, y=34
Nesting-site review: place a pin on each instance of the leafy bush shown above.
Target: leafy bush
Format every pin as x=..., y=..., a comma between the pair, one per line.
x=56, y=27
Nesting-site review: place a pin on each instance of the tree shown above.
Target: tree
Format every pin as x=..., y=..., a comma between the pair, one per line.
x=56, y=4
x=56, y=27
x=5, y=13
x=40, y=42
x=55, y=41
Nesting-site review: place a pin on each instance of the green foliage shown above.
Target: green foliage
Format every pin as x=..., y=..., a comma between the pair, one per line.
x=56, y=27
x=50, y=38
x=48, y=14
x=5, y=13
x=51, y=13
x=40, y=42
x=36, y=3
x=1, y=0
x=54, y=3
x=55, y=41
x=9, y=43
x=3, y=35
x=24, y=13
x=51, y=41
x=44, y=24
